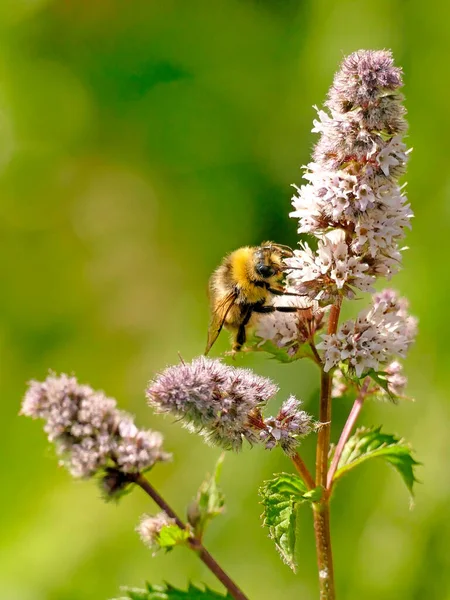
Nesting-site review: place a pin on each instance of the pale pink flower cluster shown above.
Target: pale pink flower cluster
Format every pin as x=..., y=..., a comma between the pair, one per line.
x=224, y=403
x=371, y=341
x=90, y=433
x=353, y=188
x=212, y=399
x=331, y=270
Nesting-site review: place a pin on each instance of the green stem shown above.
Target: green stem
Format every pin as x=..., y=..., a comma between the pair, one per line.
x=322, y=508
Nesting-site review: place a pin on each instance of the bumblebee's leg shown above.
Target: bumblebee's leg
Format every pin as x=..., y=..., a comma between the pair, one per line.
x=271, y=309
x=239, y=340
x=276, y=292
x=241, y=335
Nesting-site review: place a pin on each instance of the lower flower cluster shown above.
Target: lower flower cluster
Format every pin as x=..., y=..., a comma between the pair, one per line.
x=89, y=431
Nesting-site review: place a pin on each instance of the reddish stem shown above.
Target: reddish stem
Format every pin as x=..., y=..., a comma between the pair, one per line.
x=348, y=427
x=316, y=355
x=321, y=511
x=303, y=471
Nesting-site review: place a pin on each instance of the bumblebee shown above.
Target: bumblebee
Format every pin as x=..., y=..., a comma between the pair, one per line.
x=242, y=287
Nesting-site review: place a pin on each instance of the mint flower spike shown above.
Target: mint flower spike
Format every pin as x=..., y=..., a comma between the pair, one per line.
x=371, y=341
x=219, y=402
x=88, y=430
x=364, y=102
x=352, y=201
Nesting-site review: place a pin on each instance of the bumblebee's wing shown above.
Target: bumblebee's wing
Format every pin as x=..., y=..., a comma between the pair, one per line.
x=218, y=318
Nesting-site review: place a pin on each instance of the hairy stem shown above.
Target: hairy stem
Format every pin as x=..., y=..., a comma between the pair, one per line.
x=323, y=435
x=321, y=512
x=303, y=471
x=322, y=508
x=194, y=543
x=348, y=427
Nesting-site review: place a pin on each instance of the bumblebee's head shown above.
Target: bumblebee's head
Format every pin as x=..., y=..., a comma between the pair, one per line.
x=269, y=259
x=265, y=271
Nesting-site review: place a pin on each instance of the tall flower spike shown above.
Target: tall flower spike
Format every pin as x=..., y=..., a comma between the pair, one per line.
x=88, y=430
x=212, y=399
x=352, y=201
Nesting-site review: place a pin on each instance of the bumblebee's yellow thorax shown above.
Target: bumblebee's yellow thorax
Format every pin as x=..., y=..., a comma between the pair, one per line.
x=242, y=266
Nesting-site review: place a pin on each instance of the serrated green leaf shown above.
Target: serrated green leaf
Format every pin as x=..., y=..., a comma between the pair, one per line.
x=168, y=592
x=172, y=535
x=135, y=594
x=280, y=498
x=368, y=443
x=209, y=501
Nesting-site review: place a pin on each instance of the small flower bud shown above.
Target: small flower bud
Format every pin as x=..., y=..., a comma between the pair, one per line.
x=340, y=384
x=150, y=529
x=396, y=380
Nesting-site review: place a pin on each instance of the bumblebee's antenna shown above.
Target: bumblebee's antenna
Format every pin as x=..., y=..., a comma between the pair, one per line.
x=284, y=247
x=270, y=245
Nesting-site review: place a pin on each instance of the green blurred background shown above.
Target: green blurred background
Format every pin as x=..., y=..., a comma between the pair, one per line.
x=139, y=142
